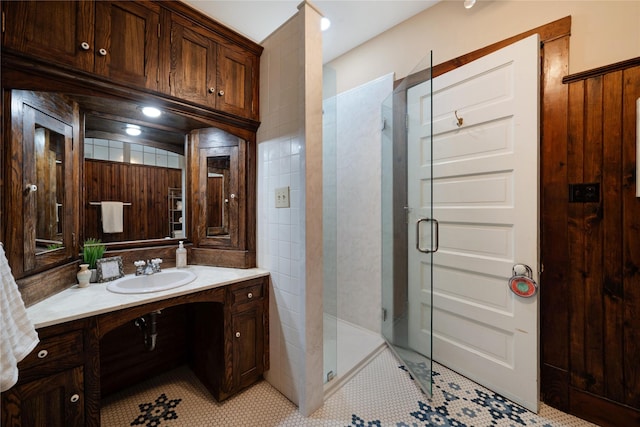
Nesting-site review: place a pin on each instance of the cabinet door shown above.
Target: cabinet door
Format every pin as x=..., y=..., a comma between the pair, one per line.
x=52, y=401
x=217, y=212
x=248, y=346
x=235, y=79
x=127, y=40
x=59, y=31
x=43, y=203
x=193, y=64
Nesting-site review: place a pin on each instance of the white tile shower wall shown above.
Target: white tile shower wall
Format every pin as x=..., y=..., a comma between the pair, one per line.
x=358, y=154
x=282, y=248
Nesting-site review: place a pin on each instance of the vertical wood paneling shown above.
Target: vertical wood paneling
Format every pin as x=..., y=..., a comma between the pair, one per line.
x=145, y=187
x=575, y=234
x=631, y=240
x=592, y=163
x=612, y=237
x=604, y=247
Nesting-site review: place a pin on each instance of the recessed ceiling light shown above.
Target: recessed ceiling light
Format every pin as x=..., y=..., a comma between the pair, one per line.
x=151, y=111
x=325, y=23
x=133, y=130
x=468, y=4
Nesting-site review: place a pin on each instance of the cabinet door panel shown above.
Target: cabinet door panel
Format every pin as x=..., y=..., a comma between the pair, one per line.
x=248, y=347
x=56, y=400
x=51, y=30
x=213, y=229
x=129, y=33
x=235, y=78
x=193, y=65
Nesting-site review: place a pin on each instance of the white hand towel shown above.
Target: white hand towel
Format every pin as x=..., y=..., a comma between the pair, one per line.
x=19, y=337
x=112, y=217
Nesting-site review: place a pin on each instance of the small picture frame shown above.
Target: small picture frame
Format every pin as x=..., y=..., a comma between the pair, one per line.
x=108, y=269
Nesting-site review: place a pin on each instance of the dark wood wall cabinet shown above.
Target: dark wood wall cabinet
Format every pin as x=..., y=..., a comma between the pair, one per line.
x=102, y=61
x=590, y=294
x=221, y=333
x=161, y=46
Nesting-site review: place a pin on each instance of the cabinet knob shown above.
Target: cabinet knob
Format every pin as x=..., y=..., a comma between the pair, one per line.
x=220, y=93
x=232, y=195
x=74, y=398
x=84, y=46
x=237, y=334
x=31, y=188
x=42, y=354
x=249, y=295
x=103, y=52
x=212, y=90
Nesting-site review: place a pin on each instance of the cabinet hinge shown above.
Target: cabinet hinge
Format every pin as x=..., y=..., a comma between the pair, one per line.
x=157, y=75
x=3, y=22
x=158, y=30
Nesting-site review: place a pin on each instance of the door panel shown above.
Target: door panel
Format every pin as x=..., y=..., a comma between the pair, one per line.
x=129, y=33
x=485, y=197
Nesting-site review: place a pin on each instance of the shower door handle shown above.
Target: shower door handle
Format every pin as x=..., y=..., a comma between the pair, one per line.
x=436, y=232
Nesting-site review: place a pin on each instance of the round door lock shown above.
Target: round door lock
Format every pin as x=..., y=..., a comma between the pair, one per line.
x=42, y=354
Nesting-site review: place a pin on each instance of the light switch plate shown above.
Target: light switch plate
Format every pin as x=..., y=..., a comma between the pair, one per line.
x=282, y=197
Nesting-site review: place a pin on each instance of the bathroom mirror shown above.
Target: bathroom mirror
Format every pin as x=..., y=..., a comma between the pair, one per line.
x=143, y=172
x=43, y=146
x=46, y=191
x=218, y=195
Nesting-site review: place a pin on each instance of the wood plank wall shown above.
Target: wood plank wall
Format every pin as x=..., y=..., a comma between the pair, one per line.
x=602, y=240
x=145, y=187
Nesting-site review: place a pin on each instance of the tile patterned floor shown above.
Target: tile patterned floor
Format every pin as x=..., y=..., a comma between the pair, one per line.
x=381, y=394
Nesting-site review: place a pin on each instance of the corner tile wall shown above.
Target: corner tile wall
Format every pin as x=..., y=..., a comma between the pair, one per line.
x=290, y=239
x=358, y=174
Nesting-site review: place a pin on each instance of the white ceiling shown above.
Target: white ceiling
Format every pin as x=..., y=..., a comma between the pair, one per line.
x=352, y=21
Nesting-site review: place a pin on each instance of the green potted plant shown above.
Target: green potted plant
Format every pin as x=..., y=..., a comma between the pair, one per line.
x=92, y=250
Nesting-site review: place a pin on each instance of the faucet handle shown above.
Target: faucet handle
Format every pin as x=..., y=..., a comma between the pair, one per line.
x=139, y=263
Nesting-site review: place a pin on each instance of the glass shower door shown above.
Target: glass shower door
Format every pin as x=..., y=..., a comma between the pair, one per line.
x=409, y=231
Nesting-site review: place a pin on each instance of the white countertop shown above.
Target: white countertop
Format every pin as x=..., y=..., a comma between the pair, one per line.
x=77, y=303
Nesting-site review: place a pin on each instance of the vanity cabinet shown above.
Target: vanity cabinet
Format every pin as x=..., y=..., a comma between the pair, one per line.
x=241, y=347
x=249, y=325
x=221, y=332
x=208, y=70
x=115, y=40
x=50, y=390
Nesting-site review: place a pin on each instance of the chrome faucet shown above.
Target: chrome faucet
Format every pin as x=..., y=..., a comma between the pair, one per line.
x=148, y=267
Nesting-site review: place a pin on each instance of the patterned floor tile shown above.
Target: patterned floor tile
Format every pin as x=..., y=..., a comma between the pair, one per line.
x=381, y=394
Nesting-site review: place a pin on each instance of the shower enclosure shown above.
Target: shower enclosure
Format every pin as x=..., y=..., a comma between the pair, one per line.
x=351, y=226
x=409, y=231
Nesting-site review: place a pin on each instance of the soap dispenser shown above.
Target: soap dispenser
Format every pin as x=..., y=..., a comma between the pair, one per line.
x=181, y=256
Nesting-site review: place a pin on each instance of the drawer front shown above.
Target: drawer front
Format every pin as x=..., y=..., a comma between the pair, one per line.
x=55, y=353
x=246, y=294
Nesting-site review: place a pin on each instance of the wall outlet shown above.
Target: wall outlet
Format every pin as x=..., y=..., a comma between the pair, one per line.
x=282, y=197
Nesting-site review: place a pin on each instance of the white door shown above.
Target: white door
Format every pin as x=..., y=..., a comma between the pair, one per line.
x=485, y=198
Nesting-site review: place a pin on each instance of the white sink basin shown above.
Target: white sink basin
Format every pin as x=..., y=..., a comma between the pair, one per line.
x=166, y=279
